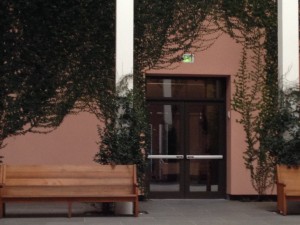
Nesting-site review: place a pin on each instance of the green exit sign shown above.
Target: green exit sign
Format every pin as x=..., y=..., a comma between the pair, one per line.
x=188, y=58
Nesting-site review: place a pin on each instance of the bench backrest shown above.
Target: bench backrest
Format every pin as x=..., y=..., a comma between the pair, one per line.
x=290, y=176
x=67, y=180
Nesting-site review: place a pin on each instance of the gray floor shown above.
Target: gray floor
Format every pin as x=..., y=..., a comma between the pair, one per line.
x=159, y=212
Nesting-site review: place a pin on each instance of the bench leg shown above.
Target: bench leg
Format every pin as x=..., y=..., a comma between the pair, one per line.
x=2, y=209
x=284, y=205
x=136, y=207
x=69, y=209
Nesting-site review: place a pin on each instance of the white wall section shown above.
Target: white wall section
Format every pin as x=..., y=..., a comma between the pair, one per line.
x=288, y=43
x=124, y=38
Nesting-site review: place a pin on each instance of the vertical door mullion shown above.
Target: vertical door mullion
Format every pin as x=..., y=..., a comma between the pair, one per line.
x=183, y=150
x=186, y=150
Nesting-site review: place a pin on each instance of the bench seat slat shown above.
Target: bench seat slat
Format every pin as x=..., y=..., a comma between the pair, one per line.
x=42, y=197
x=67, y=182
x=86, y=196
x=41, y=174
x=68, y=171
x=292, y=193
x=78, y=168
x=31, y=191
x=70, y=168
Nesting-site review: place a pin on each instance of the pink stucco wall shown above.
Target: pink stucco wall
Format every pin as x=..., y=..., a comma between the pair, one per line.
x=74, y=142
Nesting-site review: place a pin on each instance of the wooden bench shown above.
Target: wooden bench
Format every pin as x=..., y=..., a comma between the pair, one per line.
x=288, y=186
x=68, y=183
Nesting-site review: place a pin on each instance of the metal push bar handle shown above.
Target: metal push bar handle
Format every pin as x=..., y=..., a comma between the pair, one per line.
x=165, y=156
x=204, y=156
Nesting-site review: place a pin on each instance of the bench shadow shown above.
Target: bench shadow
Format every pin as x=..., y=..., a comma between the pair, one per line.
x=64, y=215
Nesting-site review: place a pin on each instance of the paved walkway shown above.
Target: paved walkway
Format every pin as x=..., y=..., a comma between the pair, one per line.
x=158, y=212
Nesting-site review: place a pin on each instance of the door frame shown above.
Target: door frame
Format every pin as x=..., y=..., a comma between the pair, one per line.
x=184, y=163
x=222, y=81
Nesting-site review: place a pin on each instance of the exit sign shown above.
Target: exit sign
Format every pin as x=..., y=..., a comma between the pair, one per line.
x=188, y=58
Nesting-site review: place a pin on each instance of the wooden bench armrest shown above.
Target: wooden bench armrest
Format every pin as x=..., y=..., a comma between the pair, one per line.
x=280, y=184
x=280, y=188
x=2, y=175
x=136, y=188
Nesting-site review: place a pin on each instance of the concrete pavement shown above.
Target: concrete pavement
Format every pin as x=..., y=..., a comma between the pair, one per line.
x=158, y=212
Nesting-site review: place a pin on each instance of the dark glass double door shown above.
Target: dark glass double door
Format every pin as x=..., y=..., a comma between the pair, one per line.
x=187, y=157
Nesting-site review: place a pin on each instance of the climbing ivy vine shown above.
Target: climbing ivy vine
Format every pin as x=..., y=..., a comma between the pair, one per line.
x=270, y=121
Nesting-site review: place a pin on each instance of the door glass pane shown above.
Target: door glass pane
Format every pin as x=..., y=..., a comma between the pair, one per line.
x=204, y=176
x=165, y=175
x=205, y=130
x=186, y=89
x=165, y=140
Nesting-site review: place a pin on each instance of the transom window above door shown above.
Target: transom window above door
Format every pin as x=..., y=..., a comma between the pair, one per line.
x=186, y=88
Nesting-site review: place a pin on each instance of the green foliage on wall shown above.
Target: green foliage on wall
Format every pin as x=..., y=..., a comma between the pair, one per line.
x=283, y=141
x=249, y=103
x=56, y=57
x=269, y=116
x=124, y=131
